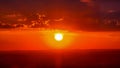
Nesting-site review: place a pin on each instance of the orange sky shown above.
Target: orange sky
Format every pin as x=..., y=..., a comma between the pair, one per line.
x=38, y=40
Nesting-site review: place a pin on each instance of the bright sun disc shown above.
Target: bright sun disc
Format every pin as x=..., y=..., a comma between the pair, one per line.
x=58, y=37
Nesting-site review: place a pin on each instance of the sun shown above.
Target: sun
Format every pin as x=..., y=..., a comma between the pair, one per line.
x=58, y=36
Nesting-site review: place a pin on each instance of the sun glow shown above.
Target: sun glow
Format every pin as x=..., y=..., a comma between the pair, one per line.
x=58, y=36
x=58, y=39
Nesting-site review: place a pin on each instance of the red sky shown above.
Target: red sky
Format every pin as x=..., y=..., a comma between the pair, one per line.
x=36, y=40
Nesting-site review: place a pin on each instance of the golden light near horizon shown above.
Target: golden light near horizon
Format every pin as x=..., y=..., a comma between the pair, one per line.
x=58, y=36
x=58, y=39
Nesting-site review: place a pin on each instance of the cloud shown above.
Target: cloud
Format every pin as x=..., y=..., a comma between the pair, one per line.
x=85, y=0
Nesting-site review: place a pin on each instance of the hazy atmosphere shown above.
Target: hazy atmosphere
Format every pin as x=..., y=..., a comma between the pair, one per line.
x=59, y=33
x=62, y=14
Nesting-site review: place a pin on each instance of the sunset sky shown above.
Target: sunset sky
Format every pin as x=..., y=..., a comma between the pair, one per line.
x=59, y=33
x=48, y=4
x=59, y=8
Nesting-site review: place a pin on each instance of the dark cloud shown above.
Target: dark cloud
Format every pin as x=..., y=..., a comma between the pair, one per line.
x=39, y=4
x=85, y=0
